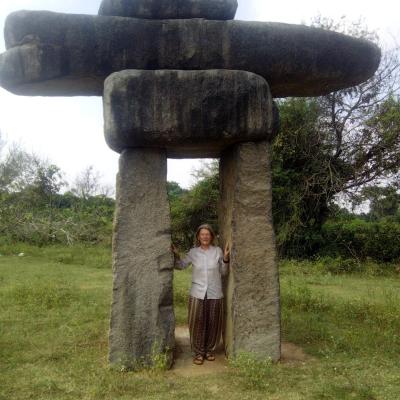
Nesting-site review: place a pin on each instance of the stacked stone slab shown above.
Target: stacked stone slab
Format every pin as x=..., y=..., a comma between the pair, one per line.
x=170, y=9
x=201, y=114
x=180, y=78
x=188, y=113
x=71, y=55
x=196, y=113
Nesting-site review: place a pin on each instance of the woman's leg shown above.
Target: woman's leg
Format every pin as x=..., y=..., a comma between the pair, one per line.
x=214, y=320
x=197, y=327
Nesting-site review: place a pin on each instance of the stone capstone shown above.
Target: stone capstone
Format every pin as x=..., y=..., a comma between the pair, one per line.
x=245, y=221
x=170, y=9
x=142, y=317
x=62, y=54
x=189, y=113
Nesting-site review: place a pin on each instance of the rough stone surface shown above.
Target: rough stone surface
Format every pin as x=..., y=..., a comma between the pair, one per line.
x=170, y=9
x=252, y=287
x=190, y=113
x=62, y=54
x=142, y=316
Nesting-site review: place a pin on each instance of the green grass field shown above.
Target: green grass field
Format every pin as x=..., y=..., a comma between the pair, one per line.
x=54, y=316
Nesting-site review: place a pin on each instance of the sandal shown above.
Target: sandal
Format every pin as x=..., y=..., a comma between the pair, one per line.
x=198, y=360
x=210, y=357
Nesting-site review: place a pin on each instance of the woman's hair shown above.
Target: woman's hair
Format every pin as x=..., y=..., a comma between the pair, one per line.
x=209, y=228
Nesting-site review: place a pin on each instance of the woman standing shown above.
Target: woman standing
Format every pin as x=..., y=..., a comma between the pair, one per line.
x=205, y=315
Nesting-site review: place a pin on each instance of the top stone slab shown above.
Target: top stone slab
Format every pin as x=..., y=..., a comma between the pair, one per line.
x=52, y=54
x=170, y=9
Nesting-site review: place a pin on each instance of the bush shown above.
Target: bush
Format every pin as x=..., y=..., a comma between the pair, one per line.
x=361, y=239
x=81, y=220
x=322, y=265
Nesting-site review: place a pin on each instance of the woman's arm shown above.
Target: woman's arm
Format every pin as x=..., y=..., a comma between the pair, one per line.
x=181, y=262
x=224, y=261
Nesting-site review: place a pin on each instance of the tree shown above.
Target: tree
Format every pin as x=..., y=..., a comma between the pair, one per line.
x=363, y=122
x=193, y=207
x=333, y=145
x=383, y=201
x=174, y=190
x=17, y=167
x=87, y=183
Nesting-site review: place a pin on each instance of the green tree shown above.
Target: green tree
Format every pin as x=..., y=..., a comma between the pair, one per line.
x=190, y=208
x=17, y=167
x=33, y=209
x=333, y=145
x=174, y=190
x=300, y=199
x=383, y=201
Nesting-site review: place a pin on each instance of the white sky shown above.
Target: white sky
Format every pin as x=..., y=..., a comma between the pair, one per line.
x=69, y=131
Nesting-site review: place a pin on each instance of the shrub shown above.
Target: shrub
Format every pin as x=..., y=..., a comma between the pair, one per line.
x=378, y=240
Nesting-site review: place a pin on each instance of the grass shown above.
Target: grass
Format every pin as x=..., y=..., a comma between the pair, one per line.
x=54, y=318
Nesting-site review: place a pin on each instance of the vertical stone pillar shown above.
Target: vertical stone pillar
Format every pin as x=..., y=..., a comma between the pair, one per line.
x=245, y=219
x=142, y=317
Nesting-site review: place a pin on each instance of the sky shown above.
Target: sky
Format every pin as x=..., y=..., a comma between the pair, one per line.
x=69, y=131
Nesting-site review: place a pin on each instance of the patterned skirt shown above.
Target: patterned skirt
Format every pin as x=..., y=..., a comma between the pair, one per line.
x=205, y=319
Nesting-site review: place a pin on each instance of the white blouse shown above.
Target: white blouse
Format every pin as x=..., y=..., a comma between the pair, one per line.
x=208, y=266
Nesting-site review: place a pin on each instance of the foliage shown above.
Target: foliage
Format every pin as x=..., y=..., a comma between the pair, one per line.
x=196, y=206
x=174, y=190
x=87, y=183
x=298, y=158
x=33, y=210
x=61, y=218
x=337, y=265
x=383, y=201
x=360, y=239
x=334, y=145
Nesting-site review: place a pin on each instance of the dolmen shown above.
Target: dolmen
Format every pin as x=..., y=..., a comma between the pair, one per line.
x=181, y=79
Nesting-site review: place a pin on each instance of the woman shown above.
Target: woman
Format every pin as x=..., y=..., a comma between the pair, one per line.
x=206, y=298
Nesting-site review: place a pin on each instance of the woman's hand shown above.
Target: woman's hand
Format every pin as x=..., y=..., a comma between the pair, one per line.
x=174, y=250
x=227, y=252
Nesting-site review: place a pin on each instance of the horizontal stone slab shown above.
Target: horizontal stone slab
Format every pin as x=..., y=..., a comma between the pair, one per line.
x=62, y=54
x=189, y=113
x=170, y=9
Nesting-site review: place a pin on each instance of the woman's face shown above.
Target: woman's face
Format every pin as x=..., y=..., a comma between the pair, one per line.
x=205, y=237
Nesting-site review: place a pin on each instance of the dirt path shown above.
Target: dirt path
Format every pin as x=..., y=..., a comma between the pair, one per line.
x=183, y=365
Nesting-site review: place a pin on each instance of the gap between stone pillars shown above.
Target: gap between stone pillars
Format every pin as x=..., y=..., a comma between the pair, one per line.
x=142, y=317
x=252, y=293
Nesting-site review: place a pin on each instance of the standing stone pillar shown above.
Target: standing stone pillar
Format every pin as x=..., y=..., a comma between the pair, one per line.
x=142, y=317
x=245, y=220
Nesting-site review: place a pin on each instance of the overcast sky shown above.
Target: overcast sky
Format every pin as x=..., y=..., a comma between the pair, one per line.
x=69, y=131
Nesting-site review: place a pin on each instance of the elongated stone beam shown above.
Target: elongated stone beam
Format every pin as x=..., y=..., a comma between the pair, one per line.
x=189, y=113
x=62, y=54
x=245, y=220
x=142, y=317
x=166, y=9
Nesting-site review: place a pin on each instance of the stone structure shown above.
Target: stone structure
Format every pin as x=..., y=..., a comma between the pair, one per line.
x=60, y=54
x=170, y=9
x=181, y=79
x=142, y=315
x=188, y=113
x=245, y=220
